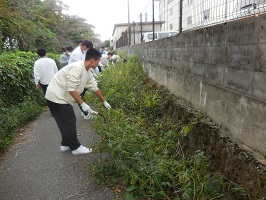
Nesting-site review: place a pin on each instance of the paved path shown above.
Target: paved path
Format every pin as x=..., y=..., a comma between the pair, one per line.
x=35, y=169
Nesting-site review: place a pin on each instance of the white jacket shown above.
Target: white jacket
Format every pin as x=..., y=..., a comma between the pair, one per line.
x=73, y=77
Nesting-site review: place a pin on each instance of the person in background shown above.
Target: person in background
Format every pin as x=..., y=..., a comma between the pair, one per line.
x=112, y=58
x=99, y=68
x=104, y=61
x=115, y=58
x=79, y=55
x=105, y=51
x=101, y=50
x=64, y=90
x=80, y=51
x=44, y=70
x=109, y=58
x=65, y=56
x=79, y=42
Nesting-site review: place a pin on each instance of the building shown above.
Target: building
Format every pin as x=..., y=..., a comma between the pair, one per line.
x=200, y=13
x=122, y=35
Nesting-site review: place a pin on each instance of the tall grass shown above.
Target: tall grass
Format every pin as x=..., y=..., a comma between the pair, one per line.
x=148, y=160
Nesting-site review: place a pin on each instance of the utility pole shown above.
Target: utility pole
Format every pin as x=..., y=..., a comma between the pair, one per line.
x=153, y=23
x=153, y=34
x=141, y=39
x=57, y=14
x=128, y=24
x=180, y=16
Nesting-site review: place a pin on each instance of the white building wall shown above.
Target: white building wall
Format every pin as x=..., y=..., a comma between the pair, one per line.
x=196, y=13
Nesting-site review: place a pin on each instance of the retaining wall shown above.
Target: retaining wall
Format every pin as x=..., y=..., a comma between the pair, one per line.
x=221, y=72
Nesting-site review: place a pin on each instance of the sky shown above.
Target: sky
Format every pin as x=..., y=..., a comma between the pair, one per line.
x=103, y=14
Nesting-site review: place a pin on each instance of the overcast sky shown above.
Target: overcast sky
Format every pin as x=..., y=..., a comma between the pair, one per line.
x=103, y=14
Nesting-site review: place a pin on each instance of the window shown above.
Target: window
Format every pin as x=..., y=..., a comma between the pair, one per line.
x=189, y=20
x=171, y=26
x=206, y=15
x=171, y=11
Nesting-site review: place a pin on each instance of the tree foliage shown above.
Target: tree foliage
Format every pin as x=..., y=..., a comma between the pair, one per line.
x=29, y=24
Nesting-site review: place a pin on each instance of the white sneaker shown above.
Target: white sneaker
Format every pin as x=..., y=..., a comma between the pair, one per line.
x=82, y=150
x=64, y=148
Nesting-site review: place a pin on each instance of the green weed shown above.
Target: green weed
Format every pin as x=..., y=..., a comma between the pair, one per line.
x=148, y=159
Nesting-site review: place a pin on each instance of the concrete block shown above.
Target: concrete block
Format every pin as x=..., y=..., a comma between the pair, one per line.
x=216, y=55
x=242, y=31
x=187, y=54
x=216, y=35
x=181, y=66
x=198, y=70
x=262, y=29
x=189, y=37
x=200, y=38
x=243, y=116
x=259, y=89
x=177, y=53
x=241, y=56
x=260, y=57
x=168, y=52
x=199, y=54
x=238, y=80
x=214, y=74
x=167, y=62
x=172, y=41
x=179, y=40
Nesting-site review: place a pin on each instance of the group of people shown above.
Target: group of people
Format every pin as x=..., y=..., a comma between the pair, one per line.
x=107, y=58
x=65, y=87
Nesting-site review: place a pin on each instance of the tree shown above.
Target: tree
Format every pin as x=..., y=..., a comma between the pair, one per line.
x=29, y=24
x=106, y=43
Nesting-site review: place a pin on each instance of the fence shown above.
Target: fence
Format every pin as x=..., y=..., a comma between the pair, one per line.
x=181, y=15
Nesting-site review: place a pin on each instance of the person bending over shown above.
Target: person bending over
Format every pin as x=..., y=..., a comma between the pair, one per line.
x=64, y=90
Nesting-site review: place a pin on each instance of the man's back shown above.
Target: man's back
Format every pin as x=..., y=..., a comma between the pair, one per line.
x=44, y=70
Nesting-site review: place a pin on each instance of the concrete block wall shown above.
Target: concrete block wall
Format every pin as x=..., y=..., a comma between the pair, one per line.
x=218, y=70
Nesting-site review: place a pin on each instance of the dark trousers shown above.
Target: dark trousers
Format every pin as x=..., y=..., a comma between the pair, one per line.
x=44, y=88
x=66, y=121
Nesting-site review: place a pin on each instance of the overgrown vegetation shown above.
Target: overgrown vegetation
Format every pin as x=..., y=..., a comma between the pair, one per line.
x=146, y=146
x=19, y=100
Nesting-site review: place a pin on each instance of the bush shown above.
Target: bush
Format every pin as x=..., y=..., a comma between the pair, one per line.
x=20, y=101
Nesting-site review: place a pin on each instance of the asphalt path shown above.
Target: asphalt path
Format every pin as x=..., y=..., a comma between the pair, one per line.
x=35, y=169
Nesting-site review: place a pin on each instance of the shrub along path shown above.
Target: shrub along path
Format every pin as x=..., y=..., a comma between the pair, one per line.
x=34, y=168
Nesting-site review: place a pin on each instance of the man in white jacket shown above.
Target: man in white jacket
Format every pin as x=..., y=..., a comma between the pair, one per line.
x=64, y=90
x=44, y=70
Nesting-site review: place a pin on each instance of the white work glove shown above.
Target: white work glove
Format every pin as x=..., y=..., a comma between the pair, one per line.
x=107, y=105
x=91, y=115
x=93, y=112
x=85, y=108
